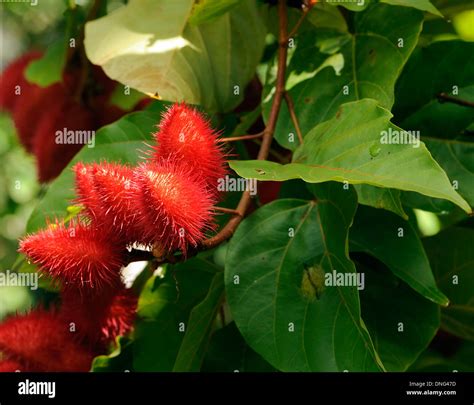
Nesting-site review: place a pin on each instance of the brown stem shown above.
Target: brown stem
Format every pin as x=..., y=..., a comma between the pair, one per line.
x=241, y=138
x=294, y=119
x=228, y=230
x=443, y=97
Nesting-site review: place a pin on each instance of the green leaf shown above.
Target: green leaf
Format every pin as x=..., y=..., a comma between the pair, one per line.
x=386, y=198
x=323, y=15
x=119, y=360
x=401, y=323
x=48, y=69
x=207, y=10
x=352, y=5
x=125, y=100
x=373, y=58
x=164, y=310
x=274, y=260
x=228, y=352
x=149, y=45
x=396, y=244
x=455, y=157
x=452, y=258
x=199, y=326
x=349, y=148
x=117, y=142
x=423, y=5
x=428, y=73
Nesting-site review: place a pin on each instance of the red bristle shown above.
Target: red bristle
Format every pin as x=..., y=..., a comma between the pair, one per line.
x=185, y=134
x=78, y=255
x=174, y=205
x=40, y=341
x=115, y=188
x=86, y=194
x=10, y=366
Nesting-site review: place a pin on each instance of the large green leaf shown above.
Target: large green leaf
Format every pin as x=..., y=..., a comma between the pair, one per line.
x=349, y=148
x=399, y=332
x=276, y=289
x=395, y=243
x=150, y=46
x=199, y=327
x=452, y=260
x=428, y=73
x=121, y=141
x=170, y=309
x=228, y=352
x=383, y=38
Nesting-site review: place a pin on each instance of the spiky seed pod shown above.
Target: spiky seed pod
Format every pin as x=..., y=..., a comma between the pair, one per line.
x=174, y=205
x=115, y=187
x=99, y=319
x=40, y=341
x=185, y=134
x=85, y=190
x=78, y=255
x=107, y=192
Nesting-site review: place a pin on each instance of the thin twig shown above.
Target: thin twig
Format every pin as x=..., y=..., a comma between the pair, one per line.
x=294, y=119
x=306, y=10
x=226, y=210
x=443, y=97
x=241, y=138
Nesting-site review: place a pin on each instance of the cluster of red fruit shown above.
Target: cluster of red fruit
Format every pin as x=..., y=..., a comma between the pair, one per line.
x=165, y=203
x=38, y=112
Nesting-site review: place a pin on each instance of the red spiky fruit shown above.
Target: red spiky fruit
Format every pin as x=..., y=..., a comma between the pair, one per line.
x=174, y=207
x=99, y=319
x=107, y=192
x=85, y=190
x=40, y=341
x=10, y=366
x=13, y=76
x=78, y=255
x=185, y=134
